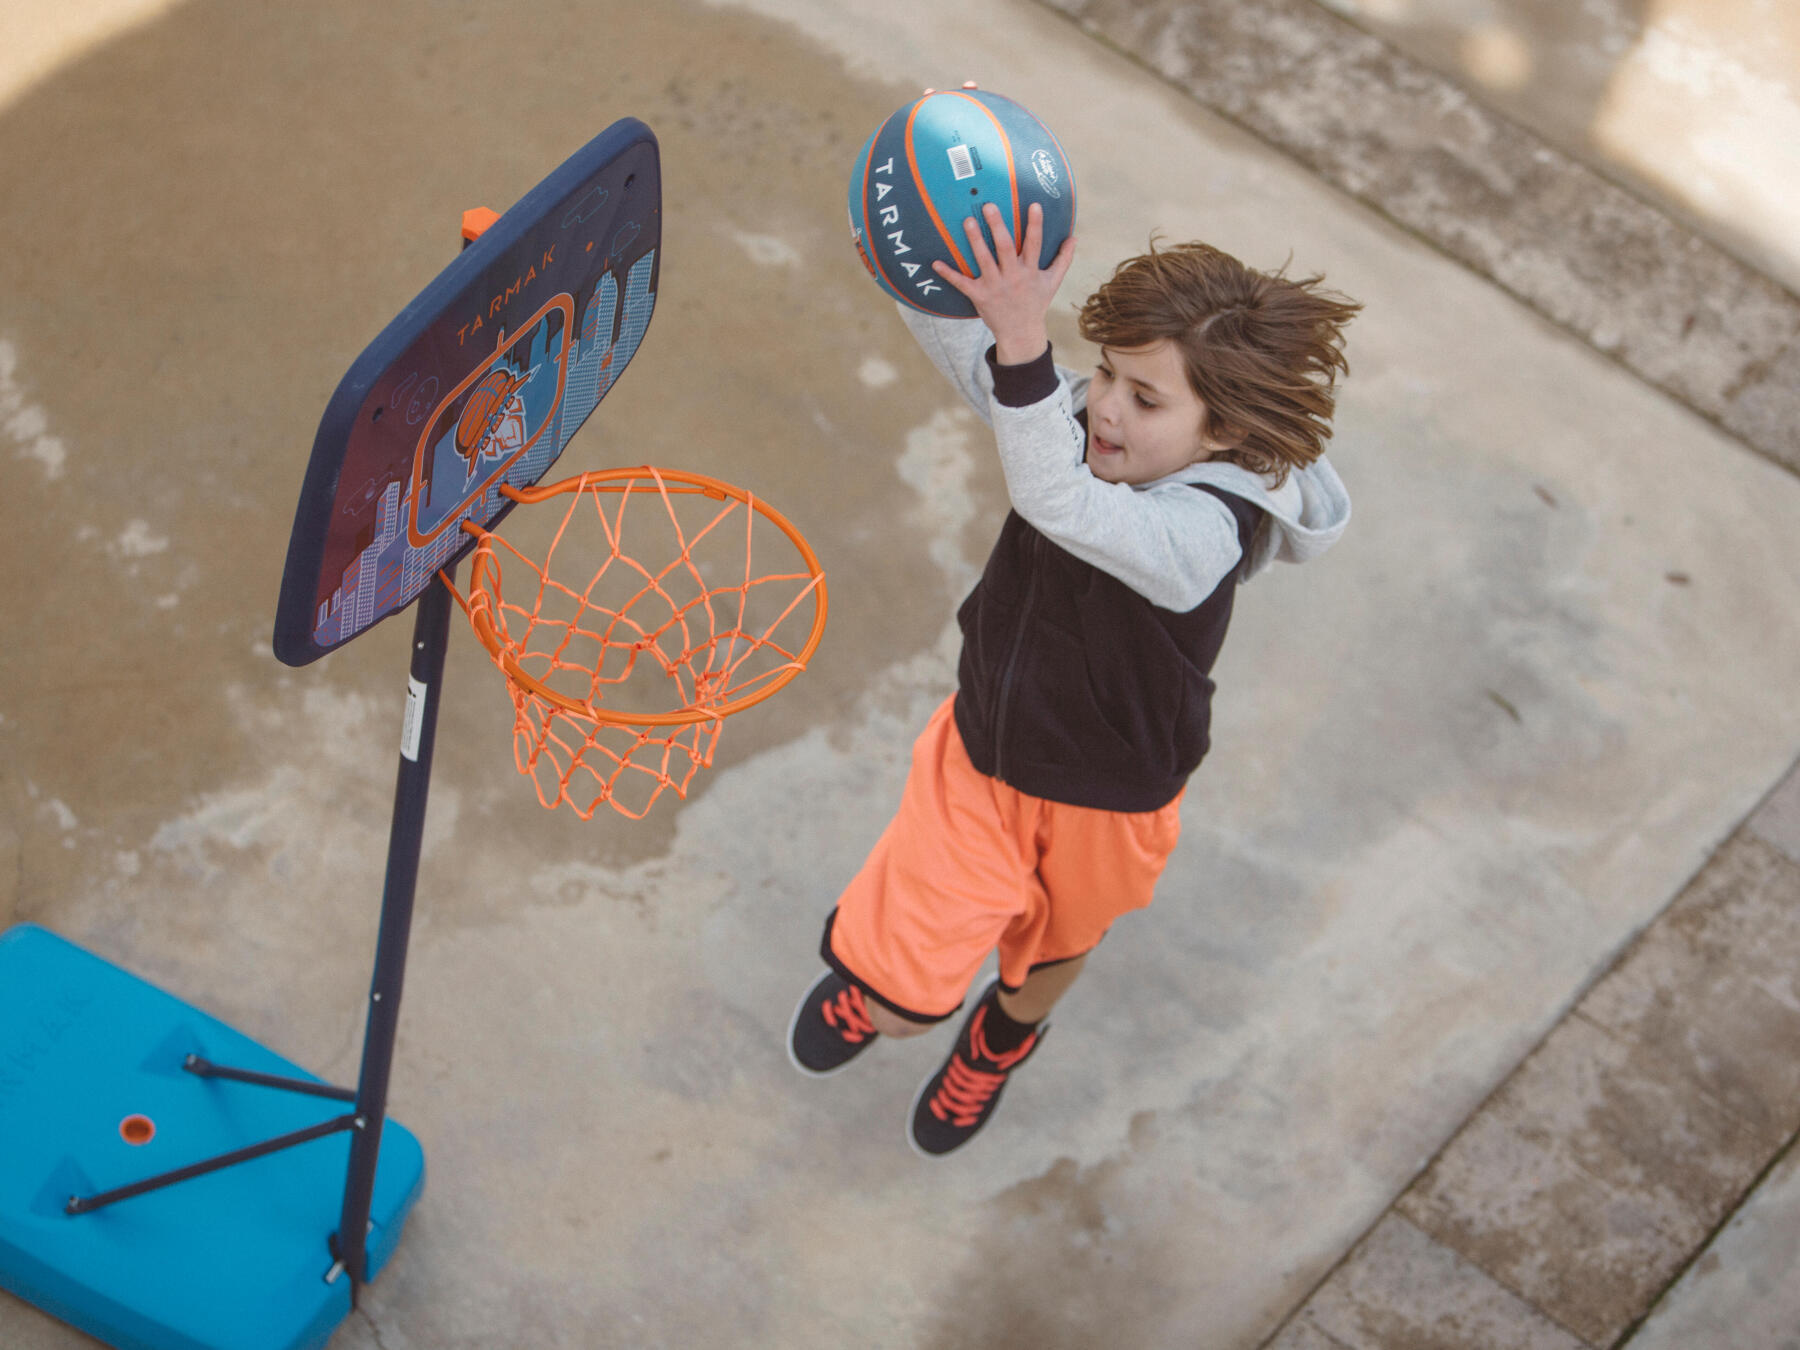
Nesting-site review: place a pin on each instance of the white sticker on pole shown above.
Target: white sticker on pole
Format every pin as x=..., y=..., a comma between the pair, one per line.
x=413, y=727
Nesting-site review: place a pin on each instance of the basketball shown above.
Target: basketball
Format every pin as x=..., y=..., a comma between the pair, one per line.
x=933, y=164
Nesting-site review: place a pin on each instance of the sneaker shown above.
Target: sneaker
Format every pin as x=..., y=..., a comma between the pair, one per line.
x=831, y=1027
x=957, y=1100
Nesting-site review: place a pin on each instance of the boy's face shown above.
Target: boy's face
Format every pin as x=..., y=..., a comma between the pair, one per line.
x=1144, y=418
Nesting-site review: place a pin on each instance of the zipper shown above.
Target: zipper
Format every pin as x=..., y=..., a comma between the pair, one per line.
x=1009, y=671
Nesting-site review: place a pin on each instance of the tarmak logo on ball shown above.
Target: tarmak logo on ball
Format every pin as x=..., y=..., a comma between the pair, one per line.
x=889, y=214
x=1045, y=169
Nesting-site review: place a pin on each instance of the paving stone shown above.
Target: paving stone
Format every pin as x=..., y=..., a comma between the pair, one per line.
x=1777, y=820
x=1712, y=990
x=1741, y=1292
x=1403, y=1291
x=1587, y=1254
x=1303, y=1334
x=1592, y=1175
x=1673, y=307
x=1761, y=408
x=1623, y=1117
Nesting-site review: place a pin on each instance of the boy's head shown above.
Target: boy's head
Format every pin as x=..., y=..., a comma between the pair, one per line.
x=1205, y=358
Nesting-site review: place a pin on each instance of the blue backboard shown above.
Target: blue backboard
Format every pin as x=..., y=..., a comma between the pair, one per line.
x=480, y=381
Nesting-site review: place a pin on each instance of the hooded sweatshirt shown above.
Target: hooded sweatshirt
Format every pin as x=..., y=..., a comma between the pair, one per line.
x=1088, y=643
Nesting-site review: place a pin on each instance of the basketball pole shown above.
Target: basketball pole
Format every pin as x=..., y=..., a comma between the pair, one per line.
x=418, y=737
x=431, y=633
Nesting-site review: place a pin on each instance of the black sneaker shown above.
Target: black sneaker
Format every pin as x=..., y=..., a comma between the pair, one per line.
x=957, y=1100
x=831, y=1027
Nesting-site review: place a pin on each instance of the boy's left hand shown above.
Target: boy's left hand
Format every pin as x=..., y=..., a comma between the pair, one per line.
x=1011, y=293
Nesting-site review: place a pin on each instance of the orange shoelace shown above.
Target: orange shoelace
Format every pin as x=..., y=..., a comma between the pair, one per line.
x=966, y=1090
x=849, y=1015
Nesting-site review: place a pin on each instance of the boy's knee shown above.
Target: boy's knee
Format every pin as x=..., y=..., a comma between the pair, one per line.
x=892, y=1024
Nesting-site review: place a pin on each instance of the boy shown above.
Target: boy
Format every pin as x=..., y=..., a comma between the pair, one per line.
x=1043, y=798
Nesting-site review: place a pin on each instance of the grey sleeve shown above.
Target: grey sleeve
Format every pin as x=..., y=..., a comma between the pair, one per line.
x=959, y=348
x=1171, y=543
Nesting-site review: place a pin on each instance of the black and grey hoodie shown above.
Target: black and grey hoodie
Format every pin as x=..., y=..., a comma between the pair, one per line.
x=1089, y=640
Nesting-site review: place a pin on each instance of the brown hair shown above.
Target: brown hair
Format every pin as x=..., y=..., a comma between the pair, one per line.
x=1262, y=352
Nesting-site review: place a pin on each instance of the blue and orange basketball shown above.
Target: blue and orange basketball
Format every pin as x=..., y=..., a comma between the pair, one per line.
x=933, y=164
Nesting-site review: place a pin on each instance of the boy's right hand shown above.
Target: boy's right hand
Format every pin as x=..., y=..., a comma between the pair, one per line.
x=1011, y=293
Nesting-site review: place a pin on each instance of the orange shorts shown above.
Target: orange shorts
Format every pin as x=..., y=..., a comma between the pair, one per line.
x=969, y=864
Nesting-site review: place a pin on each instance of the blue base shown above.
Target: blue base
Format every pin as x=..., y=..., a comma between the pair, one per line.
x=235, y=1260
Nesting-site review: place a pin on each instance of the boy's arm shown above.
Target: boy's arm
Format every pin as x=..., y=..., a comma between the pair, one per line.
x=959, y=348
x=1172, y=544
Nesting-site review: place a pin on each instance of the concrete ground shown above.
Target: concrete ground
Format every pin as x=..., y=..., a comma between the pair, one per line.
x=1490, y=798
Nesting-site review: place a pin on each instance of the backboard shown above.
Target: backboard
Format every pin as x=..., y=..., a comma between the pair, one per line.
x=481, y=381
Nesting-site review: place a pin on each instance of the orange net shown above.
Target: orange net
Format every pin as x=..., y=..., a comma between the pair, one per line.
x=620, y=682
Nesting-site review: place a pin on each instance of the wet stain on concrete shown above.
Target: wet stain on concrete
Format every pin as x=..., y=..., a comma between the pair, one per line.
x=1075, y=1257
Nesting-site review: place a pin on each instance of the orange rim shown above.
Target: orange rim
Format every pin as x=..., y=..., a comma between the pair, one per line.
x=676, y=483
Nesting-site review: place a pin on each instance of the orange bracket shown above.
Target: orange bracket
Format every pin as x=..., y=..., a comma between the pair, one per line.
x=475, y=222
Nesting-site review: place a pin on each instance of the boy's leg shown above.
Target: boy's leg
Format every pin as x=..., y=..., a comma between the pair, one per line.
x=892, y=1024
x=955, y=1102
x=1039, y=993
x=1093, y=866
x=1041, y=990
x=937, y=892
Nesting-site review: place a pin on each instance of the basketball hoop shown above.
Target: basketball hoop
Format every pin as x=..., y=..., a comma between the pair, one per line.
x=620, y=682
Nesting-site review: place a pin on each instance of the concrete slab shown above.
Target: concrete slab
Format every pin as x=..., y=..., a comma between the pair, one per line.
x=1710, y=992
x=1402, y=1291
x=1520, y=1206
x=1741, y=1292
x=1593, y=1176
x=1633, y=1123
x=1626, y=1122
x=1457, y=764
x=1303, y=1334
x=1777, y=820
x=1694, y=104
x=1423, y=148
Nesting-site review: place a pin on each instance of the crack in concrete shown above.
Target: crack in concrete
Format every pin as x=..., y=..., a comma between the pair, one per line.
x=374, y=1327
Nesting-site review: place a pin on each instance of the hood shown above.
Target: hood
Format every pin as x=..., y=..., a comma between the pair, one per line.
x=1304, y=517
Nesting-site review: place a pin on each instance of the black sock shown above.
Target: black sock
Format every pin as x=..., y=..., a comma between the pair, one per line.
x=1002, y=1034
